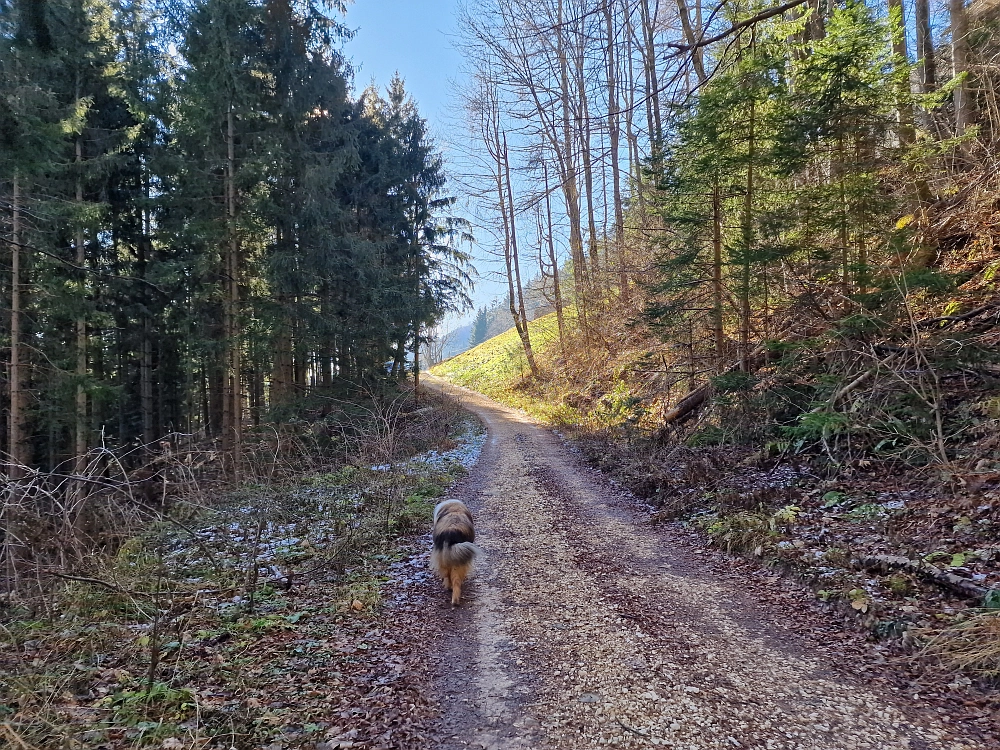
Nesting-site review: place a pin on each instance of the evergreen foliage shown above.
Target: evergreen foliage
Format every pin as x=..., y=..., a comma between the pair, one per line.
x=212, y=231
x=480, y=325
x=773, y=186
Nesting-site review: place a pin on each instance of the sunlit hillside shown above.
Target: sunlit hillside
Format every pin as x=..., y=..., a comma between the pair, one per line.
x=498, y=366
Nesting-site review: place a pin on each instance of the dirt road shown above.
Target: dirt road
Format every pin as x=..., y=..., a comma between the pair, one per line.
x=588, y=627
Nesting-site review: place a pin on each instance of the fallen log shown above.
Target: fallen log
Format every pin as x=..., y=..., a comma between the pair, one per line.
x=693, y=401
x=949, y=319
x=689, y=403
x=954, y=583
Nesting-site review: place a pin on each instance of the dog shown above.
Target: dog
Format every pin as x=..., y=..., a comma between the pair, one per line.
x=454, y=551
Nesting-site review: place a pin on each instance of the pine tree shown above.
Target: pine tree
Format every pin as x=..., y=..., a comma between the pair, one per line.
x=479, y=327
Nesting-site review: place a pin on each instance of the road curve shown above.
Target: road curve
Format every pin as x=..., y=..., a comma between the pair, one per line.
x=586, y=627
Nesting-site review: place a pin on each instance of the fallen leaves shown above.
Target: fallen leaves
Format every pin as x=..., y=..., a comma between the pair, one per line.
x=337, y=660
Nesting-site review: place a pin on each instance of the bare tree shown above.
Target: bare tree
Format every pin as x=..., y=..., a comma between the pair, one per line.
x=960, y=64
x=925, y=46
x=516, y=289
x=614, y=136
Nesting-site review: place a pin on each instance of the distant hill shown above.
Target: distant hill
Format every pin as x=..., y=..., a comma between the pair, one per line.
x=456, y=341
x=490, y=321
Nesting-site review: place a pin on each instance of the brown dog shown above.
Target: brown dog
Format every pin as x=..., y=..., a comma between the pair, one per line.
x=454, y=550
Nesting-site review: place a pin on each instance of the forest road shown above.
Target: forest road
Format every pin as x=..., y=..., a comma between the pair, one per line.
x=587, y=627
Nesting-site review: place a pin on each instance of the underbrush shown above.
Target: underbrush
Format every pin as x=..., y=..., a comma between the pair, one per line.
x=970, y=644
x=158, y=641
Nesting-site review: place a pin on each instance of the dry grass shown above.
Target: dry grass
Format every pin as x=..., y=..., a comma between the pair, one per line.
x=971, y=645
x=74, y=521
x=104, y=642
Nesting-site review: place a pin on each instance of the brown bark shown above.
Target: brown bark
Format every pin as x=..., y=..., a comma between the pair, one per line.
x=232, y=399
x=570, y=189
x=696, y=398
x=907, y=129
x=960, y=64
x=16, y=443
x=904, y=106
x=282, y=376
x=556, y=286
x=584, y=133
x=717, y=291
x=816, y=24
x=845, y=251
x=925, y=47
x=80, y=442
x=745, y=310
x=416, y=364
x=515, y=289
x=635, y=162
x=146, y=359
x=652, y=84
x=691, y=36
x=614, y=136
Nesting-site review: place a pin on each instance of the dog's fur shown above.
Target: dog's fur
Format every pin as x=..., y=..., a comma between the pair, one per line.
x=454, y=550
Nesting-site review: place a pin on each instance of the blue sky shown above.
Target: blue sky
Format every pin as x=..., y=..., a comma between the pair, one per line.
x=412, y=37
x=416, y=38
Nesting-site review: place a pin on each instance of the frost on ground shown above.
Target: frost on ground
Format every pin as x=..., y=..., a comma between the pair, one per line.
x=260, y=623
x=286, y=530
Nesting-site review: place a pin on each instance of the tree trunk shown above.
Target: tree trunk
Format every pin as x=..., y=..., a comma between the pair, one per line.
x=80, y=443
x=652, y=84
x=232, y=405
x=631, y=136
x=925, y=47
x=584, y=133
x=614, y=135
x=692, y=36
x=845, y=251
x=717, y=291
x=816, y=23
x=146, y=359
x=16, y=442
x=747, y=242
x=281, y=378
x=904, y=105
x=907, y=130
x=556, y=286
x=416, y=363
x=515, y=292
x=570, y=190
x=960, y=63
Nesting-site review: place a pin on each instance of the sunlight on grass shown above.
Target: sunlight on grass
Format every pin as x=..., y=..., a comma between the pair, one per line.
x=499, y=369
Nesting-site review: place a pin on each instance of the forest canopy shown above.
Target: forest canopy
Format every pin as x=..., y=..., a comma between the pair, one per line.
x=204, y=226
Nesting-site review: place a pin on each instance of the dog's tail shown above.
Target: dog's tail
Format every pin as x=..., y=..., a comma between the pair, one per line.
x=462, y=553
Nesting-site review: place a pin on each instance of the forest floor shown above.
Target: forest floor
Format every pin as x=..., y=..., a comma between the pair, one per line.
x=587, y=624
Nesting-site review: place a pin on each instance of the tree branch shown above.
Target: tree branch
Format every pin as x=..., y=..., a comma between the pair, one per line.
x=736, y=28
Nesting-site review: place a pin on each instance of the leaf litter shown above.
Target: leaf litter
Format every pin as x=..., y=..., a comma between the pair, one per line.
x=290, y=618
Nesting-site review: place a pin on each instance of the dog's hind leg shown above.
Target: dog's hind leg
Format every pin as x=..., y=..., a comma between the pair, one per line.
x=457, y=577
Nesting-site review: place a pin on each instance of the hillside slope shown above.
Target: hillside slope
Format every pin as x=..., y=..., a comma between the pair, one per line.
x=498, y=367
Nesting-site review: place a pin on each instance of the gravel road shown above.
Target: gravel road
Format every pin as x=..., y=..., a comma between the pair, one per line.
x=586, y=627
